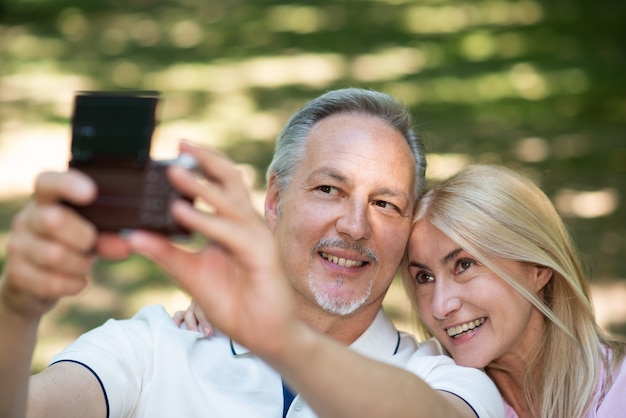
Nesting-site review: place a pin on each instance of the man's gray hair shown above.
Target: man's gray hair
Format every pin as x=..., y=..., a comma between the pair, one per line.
x=291, y=142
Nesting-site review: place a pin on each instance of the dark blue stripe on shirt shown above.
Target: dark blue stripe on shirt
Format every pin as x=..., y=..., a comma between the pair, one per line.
x=106, y=399
x=288, y=397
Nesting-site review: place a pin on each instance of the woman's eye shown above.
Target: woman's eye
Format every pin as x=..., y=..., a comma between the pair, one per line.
x=463, y=265
x=422, y=277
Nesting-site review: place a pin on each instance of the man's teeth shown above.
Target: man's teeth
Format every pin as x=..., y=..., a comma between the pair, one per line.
x=341, y=261
x=468, y=326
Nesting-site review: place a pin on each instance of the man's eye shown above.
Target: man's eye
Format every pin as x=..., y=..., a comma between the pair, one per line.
x=386, y=205
x=327, y=189
x=422, y=277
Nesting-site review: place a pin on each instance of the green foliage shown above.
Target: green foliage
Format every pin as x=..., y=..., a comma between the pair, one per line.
x=538, y=86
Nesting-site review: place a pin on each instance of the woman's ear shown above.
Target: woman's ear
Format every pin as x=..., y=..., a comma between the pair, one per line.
x=541, y=275
x=272, y=203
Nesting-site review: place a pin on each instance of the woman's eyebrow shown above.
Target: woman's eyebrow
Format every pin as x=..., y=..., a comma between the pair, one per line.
x=445, y=259
x=418, y=265
x=452, y=254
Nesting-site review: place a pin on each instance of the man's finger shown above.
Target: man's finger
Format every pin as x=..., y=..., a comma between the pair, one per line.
x=72, y=186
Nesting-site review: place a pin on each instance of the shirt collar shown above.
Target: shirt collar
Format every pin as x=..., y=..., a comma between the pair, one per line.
x=379, y=341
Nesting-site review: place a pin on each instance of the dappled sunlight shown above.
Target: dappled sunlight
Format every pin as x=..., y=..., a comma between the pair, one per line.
x=172, y=300
x=42, y=83
x=478, y=45
x=314, y=70
x=388, y=64
x=532, y=150
x=519, y=81
x=125, y=73
x=609, y=301
x=146, y=32
x=73, y=24
x=186, y=34
x=528, y=83
x=536, y=86
x=444, y=18
x=587, y=204
x=442, y=166
x=30, y=150
x=297, y=18
x=27, y=47
x=113, y=41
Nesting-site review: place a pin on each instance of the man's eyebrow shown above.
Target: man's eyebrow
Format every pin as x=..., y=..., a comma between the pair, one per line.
x=328, y=171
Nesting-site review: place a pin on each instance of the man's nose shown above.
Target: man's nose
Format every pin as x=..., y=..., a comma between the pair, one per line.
x=354, y=221
x=446, y=298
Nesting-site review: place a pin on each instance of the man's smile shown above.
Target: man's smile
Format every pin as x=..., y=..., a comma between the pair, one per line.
x=342, y=262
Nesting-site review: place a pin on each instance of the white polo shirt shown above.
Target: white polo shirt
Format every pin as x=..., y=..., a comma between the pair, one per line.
x=148, y=367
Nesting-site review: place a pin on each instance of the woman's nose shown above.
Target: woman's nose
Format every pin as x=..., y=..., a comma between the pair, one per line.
x=446, y=298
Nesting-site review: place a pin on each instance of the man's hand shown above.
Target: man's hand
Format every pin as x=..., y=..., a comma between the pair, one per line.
x=51, y=248
x=237, y=279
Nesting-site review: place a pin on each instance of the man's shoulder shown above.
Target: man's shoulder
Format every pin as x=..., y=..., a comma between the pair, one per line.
x=431, y=347
x=151, y=326
x=152, y=313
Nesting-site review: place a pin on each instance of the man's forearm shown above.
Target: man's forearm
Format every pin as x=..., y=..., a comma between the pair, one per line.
x=338, y=382
x=17, y=343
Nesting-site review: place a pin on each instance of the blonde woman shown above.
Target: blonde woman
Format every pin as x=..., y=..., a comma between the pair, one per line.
x=495, y=278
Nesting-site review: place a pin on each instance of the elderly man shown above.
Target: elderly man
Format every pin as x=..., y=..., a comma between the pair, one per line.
x=341, y=191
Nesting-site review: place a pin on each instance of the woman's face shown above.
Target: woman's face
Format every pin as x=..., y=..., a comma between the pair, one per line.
x=475, y=314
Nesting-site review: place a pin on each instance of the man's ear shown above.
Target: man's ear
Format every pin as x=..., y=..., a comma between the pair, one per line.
x=272, y=201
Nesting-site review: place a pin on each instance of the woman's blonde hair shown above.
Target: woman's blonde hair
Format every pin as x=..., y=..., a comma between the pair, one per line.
x=495, y=213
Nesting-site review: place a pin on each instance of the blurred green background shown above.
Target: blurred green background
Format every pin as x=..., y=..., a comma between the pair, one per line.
x=537, y=86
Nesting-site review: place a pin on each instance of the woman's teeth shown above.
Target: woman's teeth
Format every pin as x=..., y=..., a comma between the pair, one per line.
x=468, y=326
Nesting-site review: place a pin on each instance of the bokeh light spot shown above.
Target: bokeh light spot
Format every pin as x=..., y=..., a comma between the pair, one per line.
x=478, y=46
x=532, y=150
x=388, y=64
x=126, y=74
x=186, y=34
x=72, y=24
x=146, y=32
x=298, y=19
x=528, y=83
x=442, y=166
x=592, y=204
x=113, y=41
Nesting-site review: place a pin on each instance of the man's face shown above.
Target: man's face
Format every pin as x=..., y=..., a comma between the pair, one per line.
x=345, y=218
